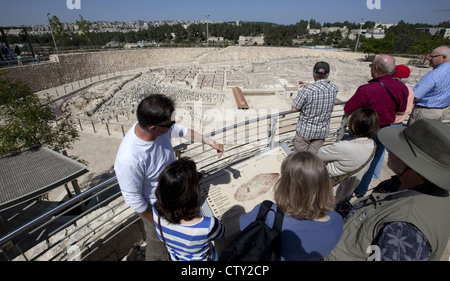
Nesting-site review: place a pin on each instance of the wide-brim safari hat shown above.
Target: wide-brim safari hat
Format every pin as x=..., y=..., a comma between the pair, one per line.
x=424, y=146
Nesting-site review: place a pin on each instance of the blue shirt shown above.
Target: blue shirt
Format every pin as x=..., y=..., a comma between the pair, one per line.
x=302, y=240
x=433, y=89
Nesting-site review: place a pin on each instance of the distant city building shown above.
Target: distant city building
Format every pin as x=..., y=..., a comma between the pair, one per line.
x=436, y=30
x=343, y=30
x=249, y=41
x=215, y=39
x=113, y=44
x=385, y=25
x=376, y=33
x=104, y=26
x=314, y=31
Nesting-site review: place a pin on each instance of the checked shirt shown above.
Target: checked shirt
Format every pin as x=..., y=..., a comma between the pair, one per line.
x=315, y=103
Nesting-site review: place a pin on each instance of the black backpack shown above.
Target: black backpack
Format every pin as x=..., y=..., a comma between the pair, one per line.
x=258, y=241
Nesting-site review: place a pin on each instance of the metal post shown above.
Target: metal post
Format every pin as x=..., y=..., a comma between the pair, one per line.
x=273, y=136
x=360, y=30
x=207, y=32
x=107, y=128
x=51, y=30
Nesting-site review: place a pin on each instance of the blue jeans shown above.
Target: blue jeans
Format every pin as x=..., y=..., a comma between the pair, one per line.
x=375, y=166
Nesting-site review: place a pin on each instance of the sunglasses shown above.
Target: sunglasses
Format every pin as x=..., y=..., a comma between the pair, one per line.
x=432, y=57
x=167, y=125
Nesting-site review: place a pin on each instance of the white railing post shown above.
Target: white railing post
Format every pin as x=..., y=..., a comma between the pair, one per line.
x=273, y=132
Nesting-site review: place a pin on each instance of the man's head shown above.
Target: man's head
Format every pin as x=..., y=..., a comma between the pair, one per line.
x=382, y=65
x=423, y=147
x=439, y=56
x=321, y=70
x=155, y=110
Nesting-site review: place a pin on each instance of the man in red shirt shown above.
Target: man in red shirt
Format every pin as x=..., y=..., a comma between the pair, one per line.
x=386, y=96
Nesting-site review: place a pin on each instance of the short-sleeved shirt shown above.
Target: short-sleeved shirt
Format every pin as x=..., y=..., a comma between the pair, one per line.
x=433, y=89
x=373, y=95
x=138, y=165
x=315, y=103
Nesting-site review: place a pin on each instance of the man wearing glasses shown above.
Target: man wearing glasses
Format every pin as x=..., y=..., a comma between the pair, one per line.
x=144, y=152
x=432, y=92
x=387, y=97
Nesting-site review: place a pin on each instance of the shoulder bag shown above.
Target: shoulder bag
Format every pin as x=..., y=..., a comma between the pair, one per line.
x=339, y=179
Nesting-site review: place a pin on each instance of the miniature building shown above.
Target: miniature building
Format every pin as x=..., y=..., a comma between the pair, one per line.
x=240, y=99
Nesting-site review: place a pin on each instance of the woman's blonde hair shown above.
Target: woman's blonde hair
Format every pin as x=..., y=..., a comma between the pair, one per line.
x=304, y=189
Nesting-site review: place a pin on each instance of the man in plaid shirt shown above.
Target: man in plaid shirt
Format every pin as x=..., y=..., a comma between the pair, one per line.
x=315, y=102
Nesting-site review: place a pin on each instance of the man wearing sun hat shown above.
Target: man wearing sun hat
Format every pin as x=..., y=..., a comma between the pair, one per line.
x=406, y=217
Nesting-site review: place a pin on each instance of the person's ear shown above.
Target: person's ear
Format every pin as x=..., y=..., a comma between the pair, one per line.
x=151, y=128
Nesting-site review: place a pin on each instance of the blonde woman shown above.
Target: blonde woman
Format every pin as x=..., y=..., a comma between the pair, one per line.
x=311, y=228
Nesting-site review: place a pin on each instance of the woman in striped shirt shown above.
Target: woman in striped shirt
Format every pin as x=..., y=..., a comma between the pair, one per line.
x=186, y=233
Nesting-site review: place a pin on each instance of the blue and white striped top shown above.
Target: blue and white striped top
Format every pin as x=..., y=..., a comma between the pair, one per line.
x=190, y=242
x=433, y=89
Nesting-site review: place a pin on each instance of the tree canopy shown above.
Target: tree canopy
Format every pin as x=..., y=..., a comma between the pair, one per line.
x=402, y=38
x=26, y=121
x=405, y=38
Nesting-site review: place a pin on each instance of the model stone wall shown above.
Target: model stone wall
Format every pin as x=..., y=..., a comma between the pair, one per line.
x=68, y=68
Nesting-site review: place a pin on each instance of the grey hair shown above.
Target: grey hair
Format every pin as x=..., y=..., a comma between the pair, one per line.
x=384, y=67
x=446, y=51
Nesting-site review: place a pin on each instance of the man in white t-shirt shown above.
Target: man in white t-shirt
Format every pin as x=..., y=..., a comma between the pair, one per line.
x=144, y=152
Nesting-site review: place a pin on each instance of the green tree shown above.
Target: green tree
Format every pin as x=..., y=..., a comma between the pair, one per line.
x=26, y=121
x=378, y=46
x=84, y=26
x=313, y=24
x=58, y=30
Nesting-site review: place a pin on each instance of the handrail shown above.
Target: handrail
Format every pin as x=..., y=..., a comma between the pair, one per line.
x=274, y=126
x=13, y=234
x=280, y=127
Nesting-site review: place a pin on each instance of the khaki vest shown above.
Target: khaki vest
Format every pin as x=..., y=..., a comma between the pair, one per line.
x=430, y=214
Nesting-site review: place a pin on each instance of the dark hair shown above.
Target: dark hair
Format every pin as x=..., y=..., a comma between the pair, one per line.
x=154, y=109
x=178, y=192
x=304, y=189
x=364, y=122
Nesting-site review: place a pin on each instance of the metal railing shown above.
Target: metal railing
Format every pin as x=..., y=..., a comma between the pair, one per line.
x=242, y=141
x=252, y=137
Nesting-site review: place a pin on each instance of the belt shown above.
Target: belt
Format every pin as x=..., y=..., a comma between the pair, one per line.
x=420, y=106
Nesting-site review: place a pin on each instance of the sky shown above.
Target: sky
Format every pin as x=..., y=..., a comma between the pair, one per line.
x=29, y=12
